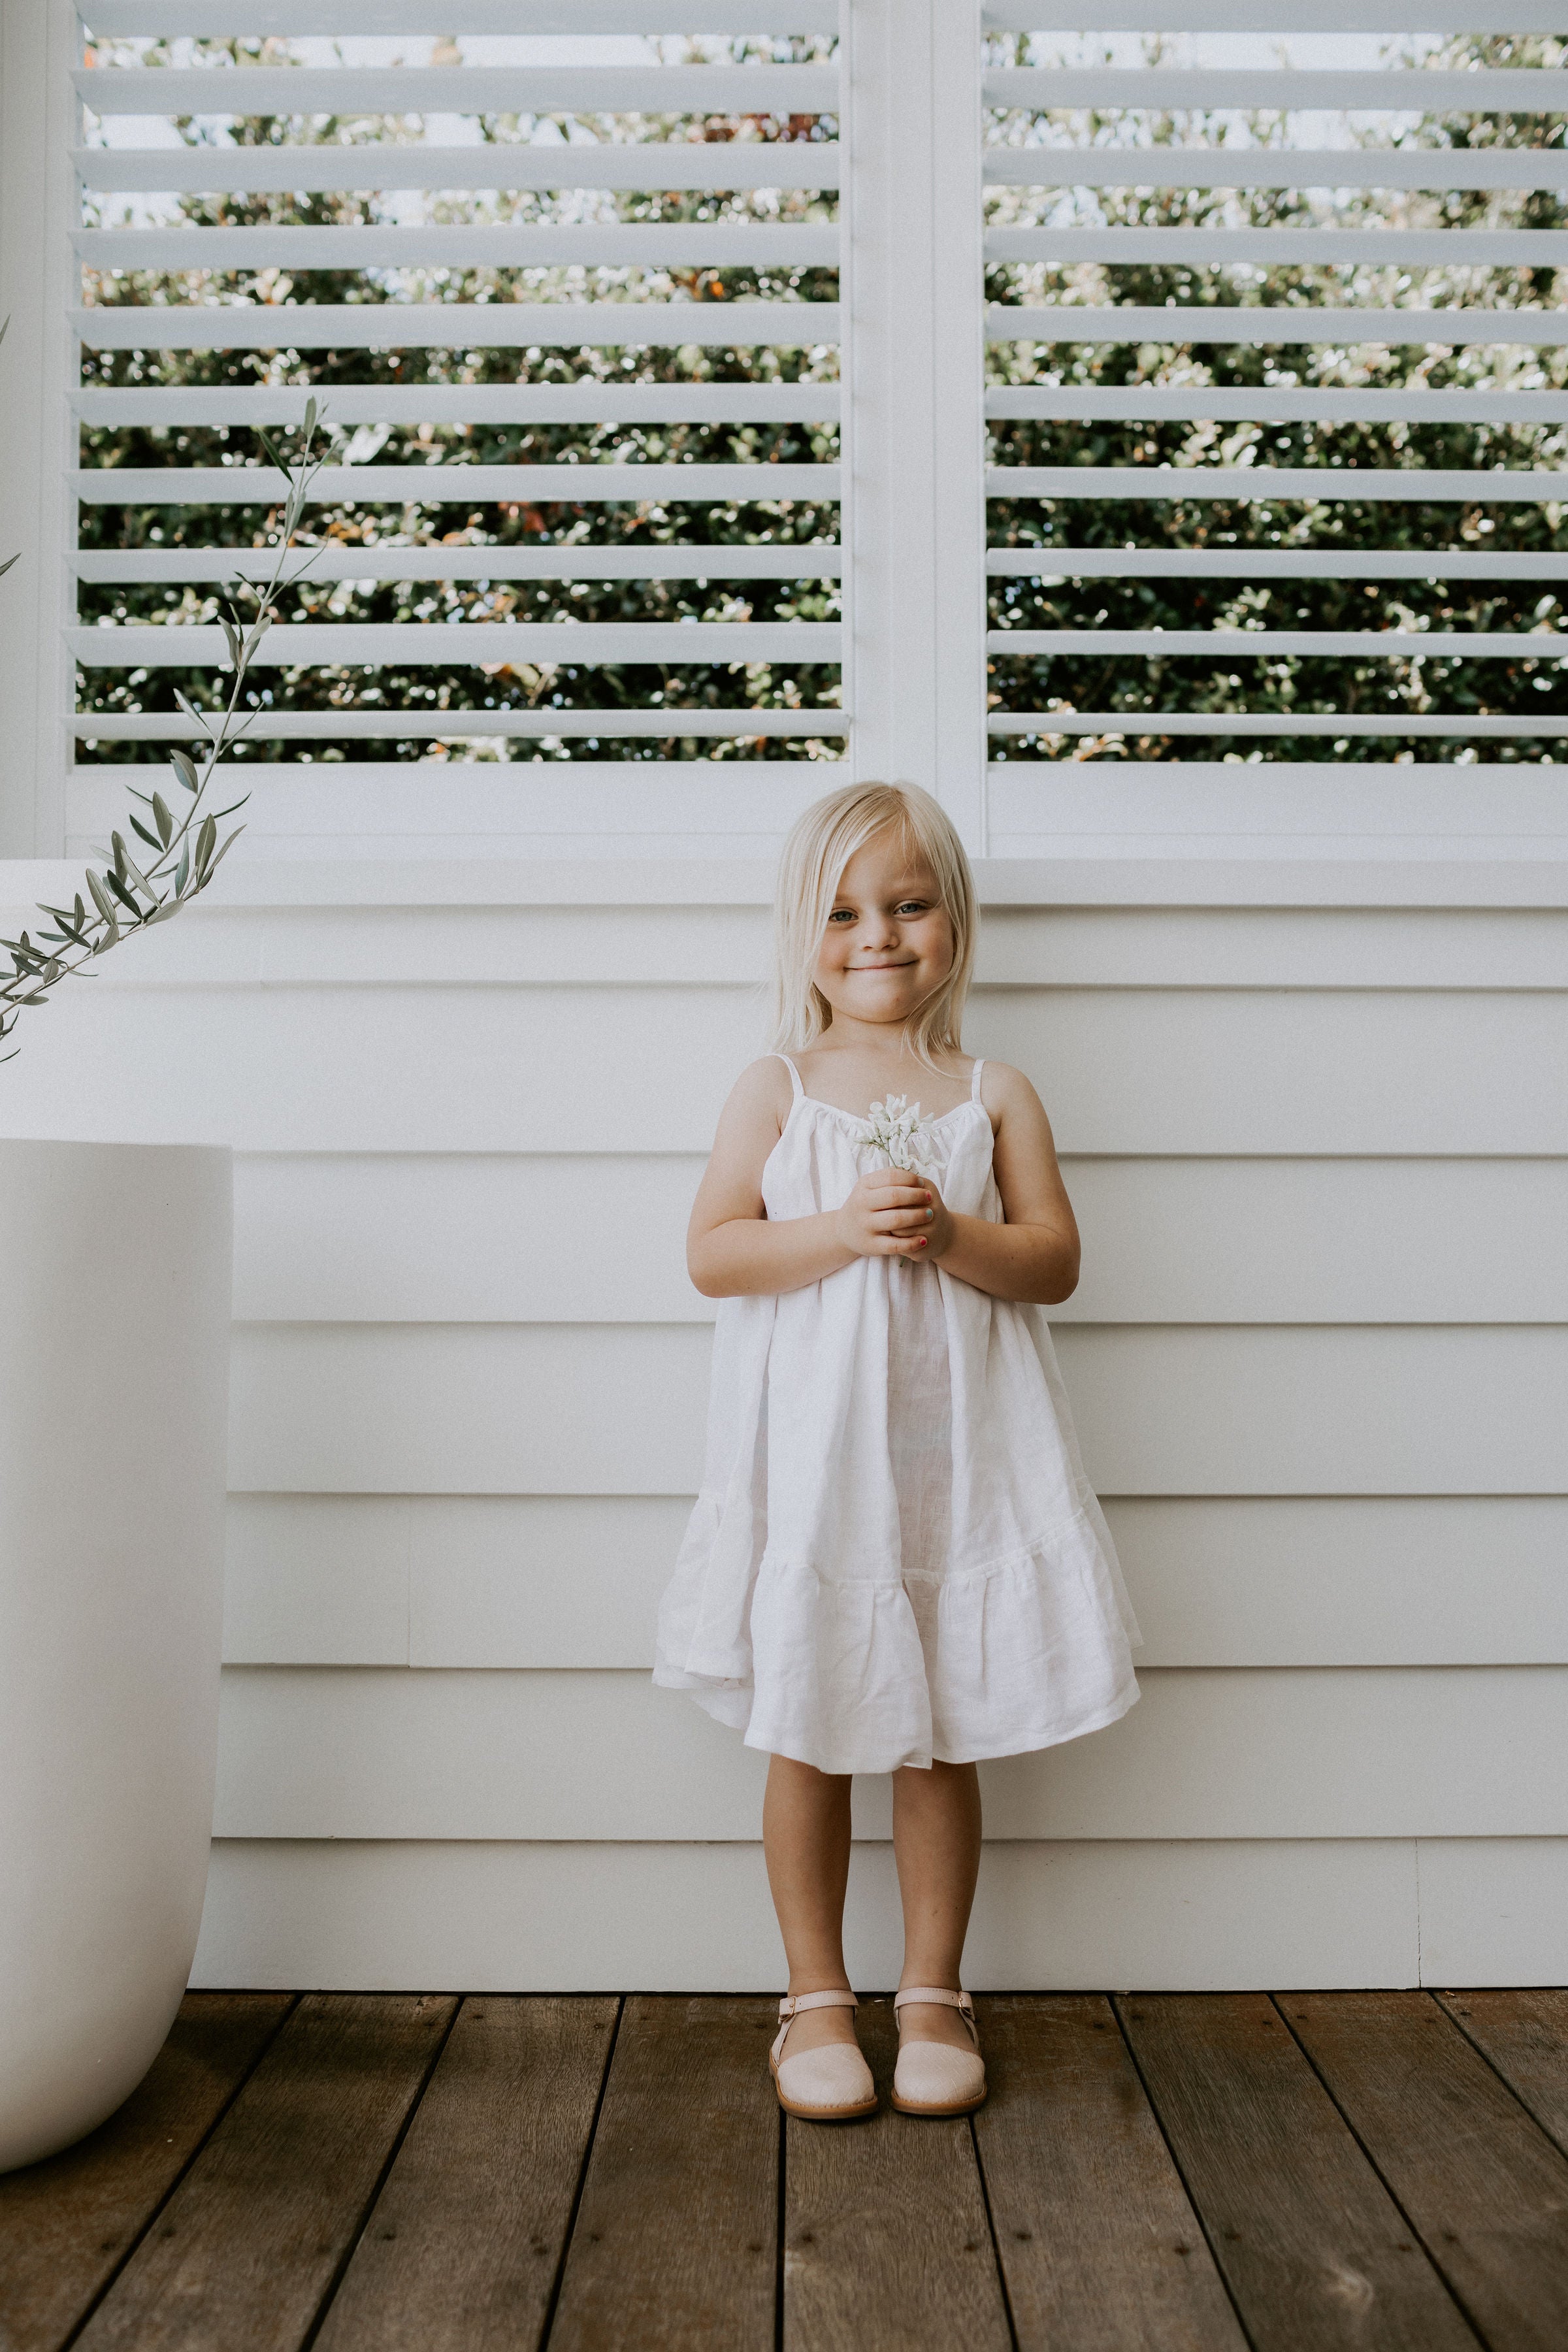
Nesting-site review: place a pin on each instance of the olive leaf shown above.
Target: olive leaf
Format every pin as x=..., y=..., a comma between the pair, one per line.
x=186, y=850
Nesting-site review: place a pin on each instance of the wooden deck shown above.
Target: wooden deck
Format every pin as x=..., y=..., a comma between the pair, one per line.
x=1173, y=2173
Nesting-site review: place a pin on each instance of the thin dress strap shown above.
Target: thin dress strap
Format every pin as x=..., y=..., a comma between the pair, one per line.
x=793, y=1074
x=974, y=1082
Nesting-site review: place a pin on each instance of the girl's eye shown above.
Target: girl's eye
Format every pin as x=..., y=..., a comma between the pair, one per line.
x=842, y=915
x=912, y=906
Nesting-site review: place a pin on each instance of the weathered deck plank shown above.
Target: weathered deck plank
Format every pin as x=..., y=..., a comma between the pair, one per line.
x=462, y=2249
x=1525, y=2036
x=675, y=2239
x=1477, y=2175
x=886, y=2242
x=250, y=2241
x=1312, y=2247
x=1098, y=2241
x=67, y=2224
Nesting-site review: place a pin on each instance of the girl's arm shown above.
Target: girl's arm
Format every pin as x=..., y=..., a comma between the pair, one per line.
x=732, y=1247
x=1034, y=1257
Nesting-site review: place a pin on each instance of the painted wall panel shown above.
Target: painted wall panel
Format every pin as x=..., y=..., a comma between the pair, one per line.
x=1494, y=1912
x=575, y=1237
x=1113, y=947
x=576, y=1069
x=573, y=1579
x=619, y=1409
x=1370, y=1752
x=662, y=1918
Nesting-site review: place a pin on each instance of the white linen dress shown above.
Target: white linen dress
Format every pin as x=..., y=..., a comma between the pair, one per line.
x=896, y=1555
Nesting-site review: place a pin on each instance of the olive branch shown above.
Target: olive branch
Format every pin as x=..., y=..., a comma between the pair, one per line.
x=186, y=850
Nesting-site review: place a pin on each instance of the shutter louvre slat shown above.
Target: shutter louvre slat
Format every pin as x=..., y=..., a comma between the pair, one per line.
x=451, y=485
x=656, y=165
x=449, y=326
x=247, y=91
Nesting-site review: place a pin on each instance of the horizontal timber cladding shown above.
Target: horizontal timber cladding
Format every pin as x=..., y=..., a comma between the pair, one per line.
x=510, y=1916
x=366, y=1752
x=449, y=1238
x=403, y=1068
x=591, y=936
x=620, y=1408
x=572, y=1580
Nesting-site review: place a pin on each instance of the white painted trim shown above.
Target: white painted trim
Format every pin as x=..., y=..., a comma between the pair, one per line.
x=1262, y=403
x=441, y=326
x=1390, y=645
x=636, y=244
x=254, y=18
x=669, y=163
x=1174, y=90
x=1181, y=165
x=914, y=433
x=1252, y=15
x=38, y=117
x=1406, y=483
x=478, y=643
x=1406, y=874
x=635, y=485
x=207, y=90
x=807, y=401
x=1276, y=248
x=1270, y=562
x=572, y=561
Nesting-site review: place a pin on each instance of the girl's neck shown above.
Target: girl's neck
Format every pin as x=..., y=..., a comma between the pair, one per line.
x=854, y=1064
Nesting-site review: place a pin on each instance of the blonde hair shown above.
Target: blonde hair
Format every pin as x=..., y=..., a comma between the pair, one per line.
x=818, y=849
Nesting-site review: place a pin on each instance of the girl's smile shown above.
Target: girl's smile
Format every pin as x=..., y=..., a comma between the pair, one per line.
x=889, y=943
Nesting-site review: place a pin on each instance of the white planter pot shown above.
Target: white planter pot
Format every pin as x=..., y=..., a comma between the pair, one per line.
x=114, y=1316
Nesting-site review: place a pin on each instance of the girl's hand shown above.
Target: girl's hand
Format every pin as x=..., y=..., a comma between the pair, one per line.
x=942, y=1231
x=891, y=1214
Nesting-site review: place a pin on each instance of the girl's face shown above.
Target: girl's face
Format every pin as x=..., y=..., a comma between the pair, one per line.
x=889, y=944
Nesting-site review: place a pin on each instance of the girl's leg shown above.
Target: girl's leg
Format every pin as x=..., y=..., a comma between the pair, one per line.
x=805, y=1835
x=936, y=1843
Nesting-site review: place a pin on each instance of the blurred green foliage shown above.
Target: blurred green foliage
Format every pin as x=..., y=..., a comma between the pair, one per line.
x=1371, y=686
x=1367, y=687
x=451, y=518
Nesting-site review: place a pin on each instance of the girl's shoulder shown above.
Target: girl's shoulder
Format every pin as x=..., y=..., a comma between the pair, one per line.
x=1001, y=1083
x=1006, y=1092
x=765, y=1081
x=762, y=1095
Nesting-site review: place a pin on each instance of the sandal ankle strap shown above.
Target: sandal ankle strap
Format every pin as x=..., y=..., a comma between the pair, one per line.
x=794, y=2001
x=943, y=1997
x=791, y=2004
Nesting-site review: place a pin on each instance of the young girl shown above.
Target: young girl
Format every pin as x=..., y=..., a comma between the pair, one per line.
x=896, y=1563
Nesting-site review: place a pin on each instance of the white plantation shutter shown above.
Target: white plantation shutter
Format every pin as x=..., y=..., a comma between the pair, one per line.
x=129, y=164
x=1174, y=620
x=1076, y=142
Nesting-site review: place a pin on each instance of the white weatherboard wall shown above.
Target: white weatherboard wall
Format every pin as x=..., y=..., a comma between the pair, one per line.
x=1303, y=1027
x=1320, y=1358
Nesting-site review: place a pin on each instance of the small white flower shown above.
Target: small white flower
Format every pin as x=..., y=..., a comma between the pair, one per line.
x=896, y=1128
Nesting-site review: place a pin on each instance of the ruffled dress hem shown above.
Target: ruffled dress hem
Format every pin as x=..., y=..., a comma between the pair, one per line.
x=731, y=1705
x=1024, y=1651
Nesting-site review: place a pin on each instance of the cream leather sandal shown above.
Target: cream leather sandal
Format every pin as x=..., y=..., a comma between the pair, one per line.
x=829, y=2086
x=932, y=2078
